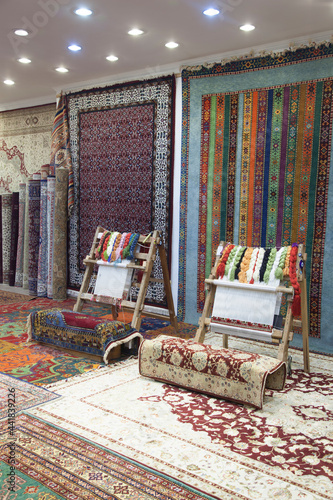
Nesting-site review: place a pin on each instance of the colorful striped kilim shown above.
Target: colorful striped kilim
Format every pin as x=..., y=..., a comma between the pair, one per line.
x=263, y=168
x=54, y=464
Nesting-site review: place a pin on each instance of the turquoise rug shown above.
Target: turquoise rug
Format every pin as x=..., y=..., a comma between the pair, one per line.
x=255, y=171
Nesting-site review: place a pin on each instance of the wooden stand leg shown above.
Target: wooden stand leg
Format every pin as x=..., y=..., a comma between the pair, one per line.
x=305, y=326
x=84, y=287
x=167, y=286
x=88, y=272
x=203, y=321
x=301, y=276
x=136, y=319
x=284, y=345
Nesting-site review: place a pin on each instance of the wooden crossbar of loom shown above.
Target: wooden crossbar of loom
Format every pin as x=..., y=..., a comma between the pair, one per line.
x=155, y=244
x=281, y=337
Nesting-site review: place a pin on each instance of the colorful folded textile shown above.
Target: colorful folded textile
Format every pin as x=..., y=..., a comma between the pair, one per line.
x=79, y=332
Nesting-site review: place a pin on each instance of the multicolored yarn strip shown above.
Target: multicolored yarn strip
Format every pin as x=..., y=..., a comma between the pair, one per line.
x=236, y=251
x=223, y=260
x=270, y=262
x=107, y=247
x=126, y=243
x=99, y=249
x=117, y=238
x=133, y=245
x=245, y=264
x=264, y=264
x=126, y=251
x=253, y=261
x=234, y=272
x=296, y=305
x=286, y=264
x=257, y=267
x=281, y=264
x=121, y=245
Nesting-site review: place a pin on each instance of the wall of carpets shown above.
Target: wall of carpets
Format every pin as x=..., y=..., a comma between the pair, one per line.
x=121, y=141
x=256, y=154
x=25, y=141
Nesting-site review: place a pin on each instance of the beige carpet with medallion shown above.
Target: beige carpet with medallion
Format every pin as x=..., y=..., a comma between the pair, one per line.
x=221, y=449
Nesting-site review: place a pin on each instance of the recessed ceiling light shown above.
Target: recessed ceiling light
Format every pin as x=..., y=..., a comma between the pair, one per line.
x=24, y=60
x=172, y=45
x=9, y=82
x=83, y=12
x=211, y=12
x=112, y=58
x=247, y=27
x=21, y=32
x=74, y=47
x=135, y=32
x=61, y=69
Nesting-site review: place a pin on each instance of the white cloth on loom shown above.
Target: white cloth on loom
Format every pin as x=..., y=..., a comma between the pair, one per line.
x=113, y=279
x=243, y=302
x=255, y=305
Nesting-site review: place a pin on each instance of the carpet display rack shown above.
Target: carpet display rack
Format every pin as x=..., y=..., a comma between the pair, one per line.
x=107, y=254
x=240, y=307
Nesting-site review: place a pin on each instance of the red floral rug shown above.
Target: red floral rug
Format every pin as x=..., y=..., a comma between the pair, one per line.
x=224, y=449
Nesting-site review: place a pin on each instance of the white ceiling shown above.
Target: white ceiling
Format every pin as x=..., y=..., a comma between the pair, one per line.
x=53, y=26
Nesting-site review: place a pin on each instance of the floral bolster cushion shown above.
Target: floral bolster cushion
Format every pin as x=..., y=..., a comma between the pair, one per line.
x=224, y=373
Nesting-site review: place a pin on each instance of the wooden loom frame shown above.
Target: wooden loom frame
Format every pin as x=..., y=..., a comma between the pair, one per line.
x=155, y=243
x=281, y=337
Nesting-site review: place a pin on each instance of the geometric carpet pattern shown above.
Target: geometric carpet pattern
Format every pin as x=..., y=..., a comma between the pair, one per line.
x=52, y=463
x=23, y=395
x=259, y=175
x=10, y=297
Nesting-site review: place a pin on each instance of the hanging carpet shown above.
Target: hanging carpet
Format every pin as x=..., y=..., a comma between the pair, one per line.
x=255, y=167
x=121, y=145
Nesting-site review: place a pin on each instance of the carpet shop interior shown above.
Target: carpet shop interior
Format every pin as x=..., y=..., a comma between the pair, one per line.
x=165, y=276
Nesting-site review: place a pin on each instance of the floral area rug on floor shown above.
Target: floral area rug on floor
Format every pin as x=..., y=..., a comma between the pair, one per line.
x=222, y=449
x=41, y=365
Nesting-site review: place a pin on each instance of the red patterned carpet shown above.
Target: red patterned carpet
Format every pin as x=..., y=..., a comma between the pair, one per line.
x=109, y=433
x=225, y=450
